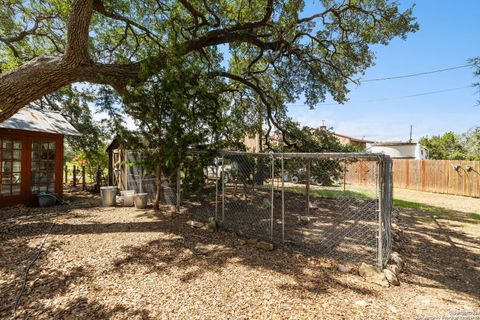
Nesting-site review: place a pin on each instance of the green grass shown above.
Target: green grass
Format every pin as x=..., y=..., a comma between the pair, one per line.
x=475, y=216
x=437, y=212
x=332, y=193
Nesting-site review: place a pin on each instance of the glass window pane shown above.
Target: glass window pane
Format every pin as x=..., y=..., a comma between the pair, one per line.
x=15, y=189
x=51, y=187
x=6, y=179
x=43, y=188
x=17, y=144
x=42, y=178
x=17, y=154
x=51, y=146
x=35, y=146
x=44, y=146
x=17, y=166
x=43, y=154
x=50, y=166
x=6, y=155
x=5, y=190
x=51, y=154
x=16, y=177
x=6, y=143
x=6, y=166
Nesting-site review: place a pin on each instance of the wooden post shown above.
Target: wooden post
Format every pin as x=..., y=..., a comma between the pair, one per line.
x=83, y=178
x=99, y=178
x=74, y=176
x=307, y=189
x=66, y=174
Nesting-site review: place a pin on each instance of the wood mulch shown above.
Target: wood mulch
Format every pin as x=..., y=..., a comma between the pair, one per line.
x=138, y=264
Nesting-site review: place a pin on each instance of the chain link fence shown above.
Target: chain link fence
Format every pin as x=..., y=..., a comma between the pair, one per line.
x=143, y=181
x=333, y=205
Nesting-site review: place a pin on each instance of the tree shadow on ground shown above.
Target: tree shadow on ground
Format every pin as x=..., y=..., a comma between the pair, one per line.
x=48, y=284
x=432, y=253
x=435, y=250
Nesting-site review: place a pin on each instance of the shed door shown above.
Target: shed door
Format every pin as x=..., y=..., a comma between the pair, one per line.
x=10, y=167
x=43, y=166
x=117, y=168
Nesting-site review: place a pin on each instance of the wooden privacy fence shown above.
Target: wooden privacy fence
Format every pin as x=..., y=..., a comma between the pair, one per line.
x=455, y=177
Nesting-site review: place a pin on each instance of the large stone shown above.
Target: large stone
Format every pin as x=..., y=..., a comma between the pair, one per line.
x=304, y=220
x=343, y=268
x=264, y=245
x=194, y=224
x=396, y=259
x=371, y=274
x=394, y=268
x=391, y=277
x=212, y=225
x=361, y=303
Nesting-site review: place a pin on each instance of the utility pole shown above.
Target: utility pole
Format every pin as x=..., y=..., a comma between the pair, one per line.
x=411, y=129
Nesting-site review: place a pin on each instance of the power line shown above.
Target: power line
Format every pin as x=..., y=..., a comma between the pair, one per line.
x=417, y=74
x=394, y=98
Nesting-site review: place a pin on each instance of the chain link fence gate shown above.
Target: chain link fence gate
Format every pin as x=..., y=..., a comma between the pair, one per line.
x=329, y=204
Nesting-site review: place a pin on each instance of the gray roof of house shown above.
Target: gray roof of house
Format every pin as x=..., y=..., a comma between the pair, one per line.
x=35, y=119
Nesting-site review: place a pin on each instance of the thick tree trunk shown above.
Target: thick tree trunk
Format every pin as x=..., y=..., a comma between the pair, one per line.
x=156, y=204
x=45, y=75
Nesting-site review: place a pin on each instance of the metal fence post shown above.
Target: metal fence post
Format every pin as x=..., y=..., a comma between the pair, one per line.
x=179, y=185
x=380, y=213
x=272, y=197
x=307, y=189
x=223, y=188
x=216, y=189
x=283, y=202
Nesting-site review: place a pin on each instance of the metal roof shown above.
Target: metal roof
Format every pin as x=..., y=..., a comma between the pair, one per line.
x=35, y=119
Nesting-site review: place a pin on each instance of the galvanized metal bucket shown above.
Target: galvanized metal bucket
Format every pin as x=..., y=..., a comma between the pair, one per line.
x=108, y=196
x=140, y=200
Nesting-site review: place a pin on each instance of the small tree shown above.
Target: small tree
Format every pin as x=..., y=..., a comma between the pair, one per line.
x=314, y=140
x=173, y=112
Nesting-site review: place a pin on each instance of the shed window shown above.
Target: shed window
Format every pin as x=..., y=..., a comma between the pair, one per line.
x=43, y=166
x=10, y=166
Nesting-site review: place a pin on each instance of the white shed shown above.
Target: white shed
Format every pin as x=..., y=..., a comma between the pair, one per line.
x=401, y=150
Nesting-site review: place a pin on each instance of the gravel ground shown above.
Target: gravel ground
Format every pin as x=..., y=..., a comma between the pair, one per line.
x=126, y=263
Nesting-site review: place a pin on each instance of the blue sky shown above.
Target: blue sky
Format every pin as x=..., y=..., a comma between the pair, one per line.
x=449, y=35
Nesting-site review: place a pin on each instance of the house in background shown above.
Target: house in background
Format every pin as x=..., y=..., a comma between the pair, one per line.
x=401, y=150
x=253, y=143
x=31, y=155
x=347, y=140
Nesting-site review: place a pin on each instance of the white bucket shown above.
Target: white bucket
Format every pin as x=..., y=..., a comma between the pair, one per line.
x=128, y=197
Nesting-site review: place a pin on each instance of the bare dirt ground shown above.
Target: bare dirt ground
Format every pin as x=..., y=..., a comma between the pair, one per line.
x=340, y=228
x=447, y=201
x=126, y=263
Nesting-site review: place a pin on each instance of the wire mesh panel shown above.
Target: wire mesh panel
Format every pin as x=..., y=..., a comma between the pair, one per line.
x=247, y=194
x=333, y=205
x=325, y=214
x=200, y=176
x=142, y=181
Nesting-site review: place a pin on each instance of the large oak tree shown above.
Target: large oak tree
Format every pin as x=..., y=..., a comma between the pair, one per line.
x=273, y=46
